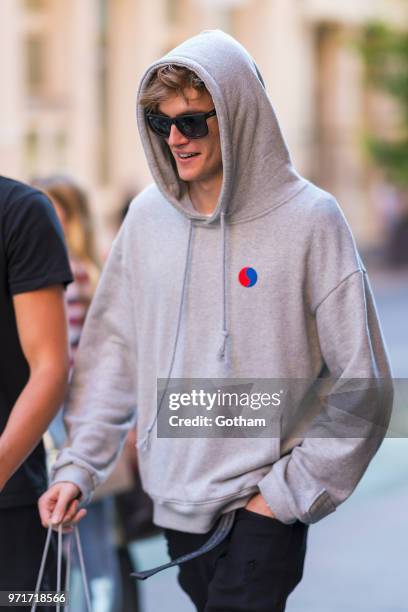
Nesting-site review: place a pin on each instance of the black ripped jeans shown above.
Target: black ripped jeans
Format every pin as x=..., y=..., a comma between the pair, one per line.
x=253, y=570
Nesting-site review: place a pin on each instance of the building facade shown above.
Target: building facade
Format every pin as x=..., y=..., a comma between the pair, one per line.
x=70, y=70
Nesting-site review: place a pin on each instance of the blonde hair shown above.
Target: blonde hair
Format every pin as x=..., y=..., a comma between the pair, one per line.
x=66, y=193
x=169, y=80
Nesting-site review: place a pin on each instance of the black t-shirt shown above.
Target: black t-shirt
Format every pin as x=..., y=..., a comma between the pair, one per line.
x=32, y=256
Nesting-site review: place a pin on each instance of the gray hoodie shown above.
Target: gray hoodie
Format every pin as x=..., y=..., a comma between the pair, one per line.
x=169, y=305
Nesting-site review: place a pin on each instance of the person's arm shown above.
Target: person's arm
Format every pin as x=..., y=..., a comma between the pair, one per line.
x=321, y=472
x=351, y=411
x=41, y=324
x=101, y=401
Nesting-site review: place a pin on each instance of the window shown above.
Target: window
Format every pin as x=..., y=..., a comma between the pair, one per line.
x=60, y=143
x=171, y=11
x=31, y=152
x=34, y=5
x=35, y=65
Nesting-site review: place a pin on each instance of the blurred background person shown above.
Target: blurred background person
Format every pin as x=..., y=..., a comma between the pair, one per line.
x=134, y=507
x=97, y=532
x=72, y=208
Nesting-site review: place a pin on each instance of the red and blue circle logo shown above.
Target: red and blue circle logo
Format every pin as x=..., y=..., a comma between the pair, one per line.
x=248, y=277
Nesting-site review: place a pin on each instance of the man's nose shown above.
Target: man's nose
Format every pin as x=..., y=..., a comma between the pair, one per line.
x=176, y=137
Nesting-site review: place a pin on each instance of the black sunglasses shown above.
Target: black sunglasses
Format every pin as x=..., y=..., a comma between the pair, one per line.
x=192, y=125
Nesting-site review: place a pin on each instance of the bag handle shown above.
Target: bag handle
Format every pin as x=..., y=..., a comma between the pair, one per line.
x=59, y=567
x=83, y=570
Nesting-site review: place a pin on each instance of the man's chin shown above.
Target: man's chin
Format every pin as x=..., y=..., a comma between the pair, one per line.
x=187, y=177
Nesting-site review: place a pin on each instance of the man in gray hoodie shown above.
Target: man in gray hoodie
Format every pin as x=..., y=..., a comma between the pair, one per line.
x=230, y=266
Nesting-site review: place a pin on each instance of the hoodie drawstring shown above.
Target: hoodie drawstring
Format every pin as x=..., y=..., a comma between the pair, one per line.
x=224, y=329
x=144, y=443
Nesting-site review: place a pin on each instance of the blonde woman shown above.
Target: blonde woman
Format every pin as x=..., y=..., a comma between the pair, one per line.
x=72, y=208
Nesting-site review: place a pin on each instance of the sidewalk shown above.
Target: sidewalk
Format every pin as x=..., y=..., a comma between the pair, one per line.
x=357, y=557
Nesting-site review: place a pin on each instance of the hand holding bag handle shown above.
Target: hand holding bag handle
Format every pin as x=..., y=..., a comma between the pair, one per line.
x=59, y=567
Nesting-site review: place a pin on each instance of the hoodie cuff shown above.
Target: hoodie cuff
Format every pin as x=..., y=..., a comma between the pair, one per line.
x=283, y=505
x=275, y=498
x=78, y=476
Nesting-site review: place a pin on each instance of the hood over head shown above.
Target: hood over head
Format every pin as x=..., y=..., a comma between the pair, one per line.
x=258, y=175
x=257, y=171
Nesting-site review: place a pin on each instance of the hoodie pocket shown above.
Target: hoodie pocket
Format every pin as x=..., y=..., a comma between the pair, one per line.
x=201, y=471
